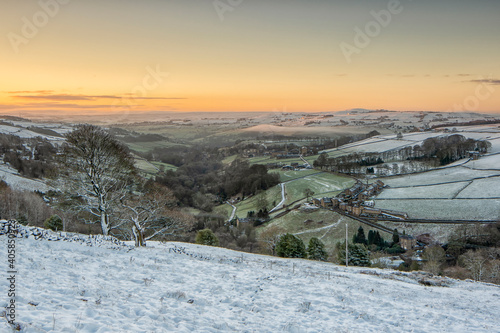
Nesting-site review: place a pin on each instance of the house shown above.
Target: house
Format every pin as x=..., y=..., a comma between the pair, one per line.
x=371, y=211
x=407, y=242
x=335, y=202
x=363, y=196
x=474, y=155
x=326, y=202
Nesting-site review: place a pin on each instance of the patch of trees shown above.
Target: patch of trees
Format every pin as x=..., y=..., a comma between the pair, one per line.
x=240, y=237
x=291, y=246
x=33, y=158
x=357, y=255
x=469, y=123
x=449, y=148
x=23, y=206
x=433, y=152
x=204, y=182
x=375, y=242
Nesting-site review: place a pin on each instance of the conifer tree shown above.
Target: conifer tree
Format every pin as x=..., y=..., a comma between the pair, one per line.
x=316, y=250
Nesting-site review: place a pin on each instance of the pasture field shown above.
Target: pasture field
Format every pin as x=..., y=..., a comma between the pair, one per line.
x=288, y=175
x=482, y=188
x=322, y=184
x=439, y=176
x=445, y=209
x=467, y=191
x=443, y=191
x=326, y=225
x=144, y=147
x=250, y=204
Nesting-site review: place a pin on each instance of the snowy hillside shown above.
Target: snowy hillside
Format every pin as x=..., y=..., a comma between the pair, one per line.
x=99, y=286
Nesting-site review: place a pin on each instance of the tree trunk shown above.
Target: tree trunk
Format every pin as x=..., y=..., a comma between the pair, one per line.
x=104, y=223
x=139, y=236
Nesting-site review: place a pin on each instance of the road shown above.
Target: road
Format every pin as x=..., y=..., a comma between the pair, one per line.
x=280, y=204
x=233, y=212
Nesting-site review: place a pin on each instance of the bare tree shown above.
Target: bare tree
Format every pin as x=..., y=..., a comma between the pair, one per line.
x=308, y=193
x=99, y=169
x=475, y=262
x=150, y=214
x=270, y=238
x=434, y=257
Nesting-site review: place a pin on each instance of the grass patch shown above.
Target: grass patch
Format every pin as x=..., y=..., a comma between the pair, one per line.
x=286, y=176
x=229, y=159
x=272, y=195
x=322, y=184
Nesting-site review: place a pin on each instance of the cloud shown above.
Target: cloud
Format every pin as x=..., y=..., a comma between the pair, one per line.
x=486, y=81
x=464, y=74
x=47, y=95
x=31, y=92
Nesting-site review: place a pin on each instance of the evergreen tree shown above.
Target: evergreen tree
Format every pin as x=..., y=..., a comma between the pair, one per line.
x=54, y=223
x=358, y=254
x=360, y=236
x=290, y=246
x=207, y=237
x=316, y=250
x=395, y=236
x=371, y=237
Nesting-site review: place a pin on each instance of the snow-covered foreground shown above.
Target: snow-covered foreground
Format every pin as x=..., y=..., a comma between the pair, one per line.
x=176, y=287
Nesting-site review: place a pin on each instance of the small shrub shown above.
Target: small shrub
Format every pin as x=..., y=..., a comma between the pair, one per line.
x=207, y=237
x=53, y=223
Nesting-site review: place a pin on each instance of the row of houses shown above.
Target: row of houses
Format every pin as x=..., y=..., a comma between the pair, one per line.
x=355, y=200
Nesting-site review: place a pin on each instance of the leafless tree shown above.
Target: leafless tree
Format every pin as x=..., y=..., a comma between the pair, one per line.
x=475, y=262
x=434, y=257
x=98, y=171
x=152, y=213
x=270, y=238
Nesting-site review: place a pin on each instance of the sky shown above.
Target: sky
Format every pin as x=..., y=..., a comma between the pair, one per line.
x=96, y=56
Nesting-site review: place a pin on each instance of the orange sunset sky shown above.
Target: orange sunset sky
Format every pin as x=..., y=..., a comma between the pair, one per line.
x=249, y=55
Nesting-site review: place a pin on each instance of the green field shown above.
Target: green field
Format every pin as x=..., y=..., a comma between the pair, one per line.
x=286, y=175
x=144, y=147
x=166, y=166
x=229, y=159
x=284, y=161
x=272, y=195
x=152, y=168
x=326, y=225
x=322, y=184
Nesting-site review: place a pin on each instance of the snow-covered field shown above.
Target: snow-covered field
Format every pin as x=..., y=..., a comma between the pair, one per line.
x=462, y=191
x=177, y=287
x=445, y=191
x=12, y=177
x=445, y=209
x=384, y=143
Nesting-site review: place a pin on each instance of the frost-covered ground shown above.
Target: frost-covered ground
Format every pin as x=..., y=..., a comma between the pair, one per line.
x=176, y=287
x=463, y=191
x=384, y=143
x=12, y=177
